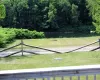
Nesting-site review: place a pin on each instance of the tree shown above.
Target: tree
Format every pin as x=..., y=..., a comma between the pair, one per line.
x=63, y=13
x=48, y=15
x=94, y=8
x=2, y=11
x=52, y=15
x=75, y=15
x=83, y=12
x=13, y=9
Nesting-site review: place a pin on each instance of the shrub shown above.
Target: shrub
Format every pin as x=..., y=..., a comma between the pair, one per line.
x=39, y=35
x=7, y=35
x=2, y=41
x=26, y=34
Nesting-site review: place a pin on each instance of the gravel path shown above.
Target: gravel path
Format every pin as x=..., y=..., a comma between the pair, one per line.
x=38, y=51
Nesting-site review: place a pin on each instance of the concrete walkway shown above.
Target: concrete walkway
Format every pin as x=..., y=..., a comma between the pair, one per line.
x=38, y=51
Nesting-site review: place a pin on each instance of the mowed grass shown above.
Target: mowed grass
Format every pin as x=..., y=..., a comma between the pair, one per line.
x=59, y=42
x=50, y=60
x=54, y=60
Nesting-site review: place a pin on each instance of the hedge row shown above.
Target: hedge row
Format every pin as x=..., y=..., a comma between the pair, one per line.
x=26, y=34
x=8, y=35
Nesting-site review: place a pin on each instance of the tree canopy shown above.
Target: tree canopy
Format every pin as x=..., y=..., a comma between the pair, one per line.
x=51, y=15
x=2, y=11
x=94, y=8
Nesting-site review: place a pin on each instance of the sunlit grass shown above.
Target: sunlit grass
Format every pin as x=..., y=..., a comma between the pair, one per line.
x=54, y=60
x=59, y=42
x=50, y=60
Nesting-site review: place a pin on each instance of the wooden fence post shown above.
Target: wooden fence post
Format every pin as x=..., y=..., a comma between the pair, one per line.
x=99, y=43
x=22, y=46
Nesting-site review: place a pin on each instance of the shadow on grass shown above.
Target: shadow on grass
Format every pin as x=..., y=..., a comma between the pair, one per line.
x=11, y=58
x=71, y=35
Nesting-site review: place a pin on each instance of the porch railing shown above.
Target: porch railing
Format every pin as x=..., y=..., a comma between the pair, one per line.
x=86, y=72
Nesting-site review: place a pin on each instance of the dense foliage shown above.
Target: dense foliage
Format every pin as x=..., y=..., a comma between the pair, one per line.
x=78, y=16
x=47, y=15
x=2, y=11
x=8, y=35
x=94, y=8
x=51, y=15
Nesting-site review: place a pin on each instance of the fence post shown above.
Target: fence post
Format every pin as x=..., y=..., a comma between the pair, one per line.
x=99, y=43
x=22, y=46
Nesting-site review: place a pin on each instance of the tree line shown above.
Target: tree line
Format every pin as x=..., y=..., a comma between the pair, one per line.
x=52, y=15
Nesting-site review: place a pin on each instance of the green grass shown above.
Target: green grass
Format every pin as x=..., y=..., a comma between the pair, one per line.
x=59, y=42
x=49, y=60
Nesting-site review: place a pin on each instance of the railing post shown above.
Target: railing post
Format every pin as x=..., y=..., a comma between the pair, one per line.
x=62, y=78
x=86, y=77
x=43, y=78
x=22, y=46
x=34, y=78
x=54, y=78
x=48, y=78
x=78, y=77
x=70, y=77
x=95, y=77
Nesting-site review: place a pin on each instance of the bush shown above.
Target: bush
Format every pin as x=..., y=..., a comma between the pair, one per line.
x=36, y=34
x=7, y=35
x=26, y=34
x=2, y=41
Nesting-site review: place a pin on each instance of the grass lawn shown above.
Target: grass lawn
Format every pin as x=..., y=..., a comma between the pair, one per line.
x=54, y=60
x=50, y=60
x=59, y=42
